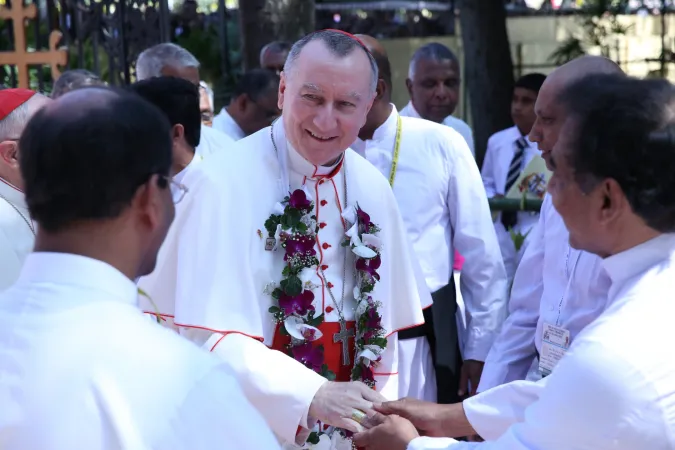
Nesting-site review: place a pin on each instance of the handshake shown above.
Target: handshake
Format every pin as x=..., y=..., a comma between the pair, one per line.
x=383, y=425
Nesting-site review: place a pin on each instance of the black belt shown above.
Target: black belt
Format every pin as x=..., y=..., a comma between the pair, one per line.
x=419, y=330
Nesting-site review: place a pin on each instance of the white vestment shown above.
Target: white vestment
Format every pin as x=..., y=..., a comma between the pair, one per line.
x=501, y=149
x=443, y=203
x=615, y=389
x=16, y=236
x=453, y=122
x=212, y=141
x=554, y=283
x=218, y=270
x=82, y=368
x=225, y=123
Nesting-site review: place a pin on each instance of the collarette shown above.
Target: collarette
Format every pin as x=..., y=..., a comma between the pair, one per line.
x=305, y=168
x=388, y=128
x=13, y=194
x=640, y=258
x=78, y=271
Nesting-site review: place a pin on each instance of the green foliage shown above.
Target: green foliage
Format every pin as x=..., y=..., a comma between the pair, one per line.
x=518, y=238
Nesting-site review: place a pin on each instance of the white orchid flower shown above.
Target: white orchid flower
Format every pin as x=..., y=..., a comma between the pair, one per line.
x=372, y=241
x=349, y=214
x=299, y=330
x=310, y=280
x=364, y=252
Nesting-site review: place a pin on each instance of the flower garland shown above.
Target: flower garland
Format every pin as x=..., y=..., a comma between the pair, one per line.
x=293, y=227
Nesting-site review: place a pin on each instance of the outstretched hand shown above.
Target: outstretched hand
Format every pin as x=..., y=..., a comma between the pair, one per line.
x=425, y=416
x=471, y=372
x=392, y=433
x=335, y=402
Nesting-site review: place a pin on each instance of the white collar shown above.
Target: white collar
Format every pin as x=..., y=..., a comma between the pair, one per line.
x=78, y=271
x=388, y=128
x=233, y=125
x=638, y=259
x=410, y=110
x=13, y=194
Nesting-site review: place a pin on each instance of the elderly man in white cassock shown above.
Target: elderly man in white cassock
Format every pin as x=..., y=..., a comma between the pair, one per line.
x=441, y=196
x=612, y=184
x=292, y=260
x=81, y=367
x=171, y=60
x=17, y=229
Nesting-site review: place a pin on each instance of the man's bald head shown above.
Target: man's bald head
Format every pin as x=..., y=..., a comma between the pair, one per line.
x=273, y=55
x=550, y=111
x=379, y=53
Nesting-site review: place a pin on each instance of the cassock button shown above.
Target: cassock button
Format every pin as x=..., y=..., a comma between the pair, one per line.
x=324, y=267
x=321, y=181
x=330, y=285
x=329, y=309
x=326, y=246
x=324, y=202
x=322, y=225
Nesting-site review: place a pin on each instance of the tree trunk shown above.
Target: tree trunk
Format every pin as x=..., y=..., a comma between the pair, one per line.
x=488, y=68
x=263, y=21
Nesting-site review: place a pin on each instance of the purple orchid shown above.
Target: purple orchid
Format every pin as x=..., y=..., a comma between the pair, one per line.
x=309, y=355
x=364, y=218
x=367, y=375
x=369, y=266
x=301, y=304
x=303, y=245
x=299, y=200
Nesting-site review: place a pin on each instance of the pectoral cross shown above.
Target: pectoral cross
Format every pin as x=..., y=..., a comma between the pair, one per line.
x=343, y=336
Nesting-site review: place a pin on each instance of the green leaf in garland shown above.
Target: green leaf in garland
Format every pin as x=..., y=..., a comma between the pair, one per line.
x=302, y=228
x=276, y=293
x=313, y=438
x=380, y=342
x=287, y=271
x=356, y=372
x=271, y=224
x=283, y=332
x=327, y=374
x=315, y=321
x=293, y=286
x=274, y=309
x=294, y=217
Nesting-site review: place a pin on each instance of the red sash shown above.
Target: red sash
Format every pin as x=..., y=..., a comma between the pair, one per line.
x=332, y=351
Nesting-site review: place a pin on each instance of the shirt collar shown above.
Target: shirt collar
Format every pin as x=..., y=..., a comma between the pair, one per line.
x=80, y=272
x=411, y=111
x=639, y=259
x=383, y=133
x=12, y=194
x=305, y=168
x=232, y=124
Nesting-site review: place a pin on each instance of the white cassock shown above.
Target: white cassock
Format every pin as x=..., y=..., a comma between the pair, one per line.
x=70, y=378
x=17, y=233
x=453, y=122
x=226, y=124
x=615, y=388
x=220, y=268
x=212, y=141
x=554, y=284
x=501, y=149
x=443, y=203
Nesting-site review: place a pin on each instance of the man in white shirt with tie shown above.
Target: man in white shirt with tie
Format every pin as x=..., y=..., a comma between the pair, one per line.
x=613, y=186
x=434, y=79
x=171, y=60
x=253, y=105
x=80, y=365
x=508, y=154
x=17, y=230
x=443, y=203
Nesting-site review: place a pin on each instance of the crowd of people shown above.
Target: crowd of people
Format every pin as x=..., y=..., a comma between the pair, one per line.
x=283, y=273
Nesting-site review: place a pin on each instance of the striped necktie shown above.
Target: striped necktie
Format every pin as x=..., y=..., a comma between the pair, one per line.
x=510, y=218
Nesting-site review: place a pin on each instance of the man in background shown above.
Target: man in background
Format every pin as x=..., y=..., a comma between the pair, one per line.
x=434, y=79
x=253, y=106
x=74, y=79
x=273, y=56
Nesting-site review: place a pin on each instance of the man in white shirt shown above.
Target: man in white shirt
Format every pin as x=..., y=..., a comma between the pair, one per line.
x=80, y=365
x=171, y=60
x=250, y=271
x=253, y=105
x=433, y=83
x=443, y=203
x=178, y=99
x=17, y=230
x=508, y=154
x=612, y=185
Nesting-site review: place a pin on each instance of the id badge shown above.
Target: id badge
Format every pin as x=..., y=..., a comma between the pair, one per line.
x=554, y=344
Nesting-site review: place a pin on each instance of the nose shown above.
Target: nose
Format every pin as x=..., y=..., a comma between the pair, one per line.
x=535, y=132
x=325, y=119
x=442, y=91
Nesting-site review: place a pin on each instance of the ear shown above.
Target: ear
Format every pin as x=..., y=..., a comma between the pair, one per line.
x=148, y=202
x=177, y=133
x=613, y=201
x=282, y=90
x=409, y=86
x=242, y=102
x=9, y=154
x=381, y=89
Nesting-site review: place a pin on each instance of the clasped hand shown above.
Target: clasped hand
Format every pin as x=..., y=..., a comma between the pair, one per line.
x=335, y=403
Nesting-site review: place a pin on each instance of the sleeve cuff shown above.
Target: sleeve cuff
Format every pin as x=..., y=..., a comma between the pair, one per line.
x=428, y=443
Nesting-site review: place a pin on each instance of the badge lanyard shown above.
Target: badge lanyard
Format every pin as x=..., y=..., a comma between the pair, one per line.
x=570, y=277
x=397, y=148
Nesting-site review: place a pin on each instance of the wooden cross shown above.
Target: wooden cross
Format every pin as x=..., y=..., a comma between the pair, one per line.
x=343, y=336
x=21, y=57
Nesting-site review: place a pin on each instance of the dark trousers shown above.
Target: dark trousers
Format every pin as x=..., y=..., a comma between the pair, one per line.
x=440, y=330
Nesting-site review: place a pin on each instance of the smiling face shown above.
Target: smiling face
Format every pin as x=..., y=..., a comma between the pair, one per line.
x=325, y=101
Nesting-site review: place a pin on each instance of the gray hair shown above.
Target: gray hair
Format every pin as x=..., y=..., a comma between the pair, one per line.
x=152, y=60
x=74, y=79
x=434, y=52
x=339, y=44
x=12, y=125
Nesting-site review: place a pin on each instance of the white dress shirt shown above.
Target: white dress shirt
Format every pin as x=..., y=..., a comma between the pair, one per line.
x=501, y=149
x=16, y=235
x=453, y=122
x=615, y=389
x=82, y=368
x=443, y=203
x=212, y=141
x=225, y=123
x=553, y=283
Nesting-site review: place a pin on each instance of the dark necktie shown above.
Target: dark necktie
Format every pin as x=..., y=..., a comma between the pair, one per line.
x=510, y=218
